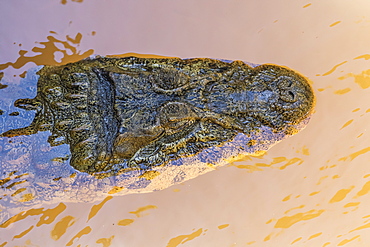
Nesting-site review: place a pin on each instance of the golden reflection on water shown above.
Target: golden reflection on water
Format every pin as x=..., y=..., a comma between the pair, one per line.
x=106, y=242
x=61, y=227
x=125, y=222
x=363, y=79
x=95, y=209
x=84, y=231
x=139, y=212
x=277, y=163
x=76, y=1
x=66, y=48
x=176, y=241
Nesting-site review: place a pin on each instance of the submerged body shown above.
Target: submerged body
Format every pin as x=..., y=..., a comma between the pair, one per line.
x=139, y=119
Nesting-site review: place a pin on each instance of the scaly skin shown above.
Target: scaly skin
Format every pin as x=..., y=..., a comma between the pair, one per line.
x=122, y=114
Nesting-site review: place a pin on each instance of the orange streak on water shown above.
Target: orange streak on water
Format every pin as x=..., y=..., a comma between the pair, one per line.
x=267, y=238
x=351, y=204
x=305, y=151
x=361, y=227
x=314, y=235
x=27, y=197
x=46, y=56
x=342, y=91
x=18, y=191
x=335, y=23
x=125, y=222
x=61, y=227
x=106, y=242
x=296, y=240
x=149, y=175
x=95, y=209
x=115, y=189
x=47, y=216
x=14, y=183
x=301, y=206
x=340, y=195
x=363, y=79
x=291, y=162
x=321, y=179
x=223, y=226
x=346, y=241
x=333, y=69
x=65, y=1
x=288, y=221
x=364, y=190
x=21, y=216
x=23, y=233
x=286, y=198
x=142, y=209
x=365, y=56
x=262, y=165
x=355, y=154
x=278, y=160
x=251, y=168
x=84, y=231
x=176, y=241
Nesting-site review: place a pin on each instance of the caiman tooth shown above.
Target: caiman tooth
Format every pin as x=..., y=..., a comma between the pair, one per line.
x=82, y=106
x=62, y=125
x=61, y=105
x=45, y=126
x=81, y=128
x=87, y=144
x=53, y=91
x=80, y=80
x=80, y=131
x=73, y=96
x=82, y=115
x=28, y=104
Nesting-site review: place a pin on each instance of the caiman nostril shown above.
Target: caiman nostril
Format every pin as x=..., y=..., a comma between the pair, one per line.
x=288, y=96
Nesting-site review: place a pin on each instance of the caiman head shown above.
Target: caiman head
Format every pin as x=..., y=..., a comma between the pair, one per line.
x=122, y=113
